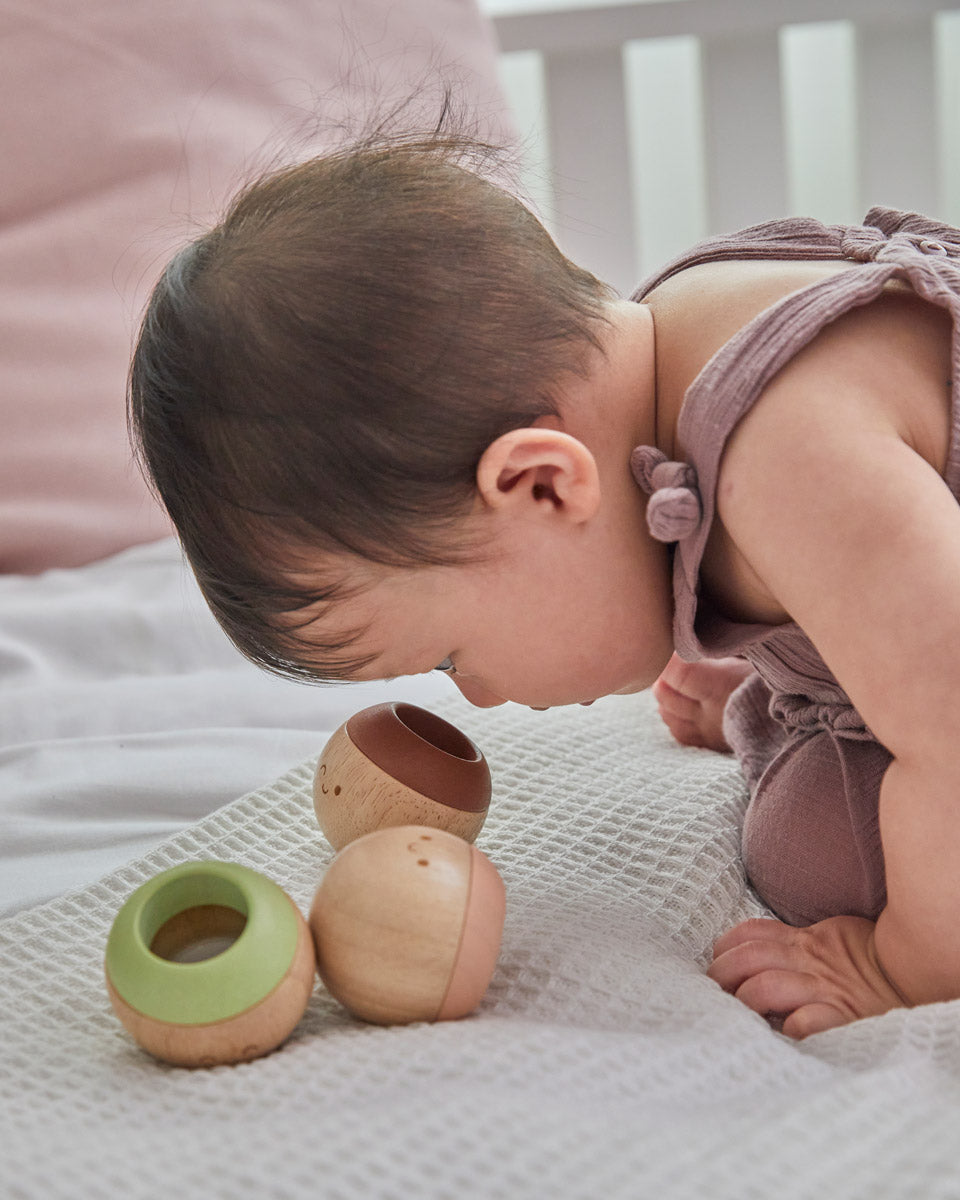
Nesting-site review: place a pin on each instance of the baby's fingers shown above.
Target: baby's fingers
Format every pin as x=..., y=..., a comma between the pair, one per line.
x=674, y=703
x=813, y=1018
x=757, y=929
x=766, y=977
x=674, y=675
x=734, y=967
x=779, y=991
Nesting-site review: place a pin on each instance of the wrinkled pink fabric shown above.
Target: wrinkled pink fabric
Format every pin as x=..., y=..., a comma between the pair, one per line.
x=125, y=126
x=811, y=842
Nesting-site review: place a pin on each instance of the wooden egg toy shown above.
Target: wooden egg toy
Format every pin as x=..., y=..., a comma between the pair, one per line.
x=397, y=764
x=407, y=925
x=209, y=963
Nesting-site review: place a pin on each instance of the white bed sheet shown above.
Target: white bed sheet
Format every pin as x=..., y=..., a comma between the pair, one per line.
x=126, y=714
x=602, y=1064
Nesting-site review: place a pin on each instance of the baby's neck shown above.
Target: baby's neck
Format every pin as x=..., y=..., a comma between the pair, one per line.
x=614, y=408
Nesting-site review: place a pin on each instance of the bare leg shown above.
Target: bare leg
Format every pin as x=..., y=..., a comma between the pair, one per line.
x=692, y=696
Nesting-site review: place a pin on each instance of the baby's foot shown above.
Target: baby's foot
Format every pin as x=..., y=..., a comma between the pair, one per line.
x=692, y=696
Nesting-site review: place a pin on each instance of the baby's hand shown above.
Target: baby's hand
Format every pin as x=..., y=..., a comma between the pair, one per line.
x=692, y=696
x=824, y=975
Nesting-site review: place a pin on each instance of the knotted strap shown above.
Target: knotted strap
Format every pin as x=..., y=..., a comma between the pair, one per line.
x=889, y=236
x=675, y=509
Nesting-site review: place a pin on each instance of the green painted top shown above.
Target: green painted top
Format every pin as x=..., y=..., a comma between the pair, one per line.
x=216, y=988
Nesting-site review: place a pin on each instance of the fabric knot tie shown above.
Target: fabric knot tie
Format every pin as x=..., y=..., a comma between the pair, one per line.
x=675, y=509
x=873, y=243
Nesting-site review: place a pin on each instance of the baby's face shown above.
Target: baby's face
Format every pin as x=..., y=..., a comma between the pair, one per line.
x=549, y=621
x=571, y=603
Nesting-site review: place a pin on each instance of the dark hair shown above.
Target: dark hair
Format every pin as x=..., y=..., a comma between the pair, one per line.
x=321, y=372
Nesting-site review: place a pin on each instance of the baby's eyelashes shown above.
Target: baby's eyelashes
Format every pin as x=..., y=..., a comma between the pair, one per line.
x=446, y=665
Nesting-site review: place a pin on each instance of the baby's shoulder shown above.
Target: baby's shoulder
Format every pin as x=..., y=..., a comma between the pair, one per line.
x=699, y=309
x=889, y=360
x=884, y=366
x=702, y=306
x=877, y=375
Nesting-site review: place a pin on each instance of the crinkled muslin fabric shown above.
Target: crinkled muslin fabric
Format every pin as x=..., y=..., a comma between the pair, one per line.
x=811, y=838
x=602, y=1063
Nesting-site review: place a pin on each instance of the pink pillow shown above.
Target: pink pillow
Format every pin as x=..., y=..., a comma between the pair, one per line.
x=125, y=124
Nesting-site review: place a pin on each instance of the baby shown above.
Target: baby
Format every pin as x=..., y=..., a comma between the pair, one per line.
x=398, y=431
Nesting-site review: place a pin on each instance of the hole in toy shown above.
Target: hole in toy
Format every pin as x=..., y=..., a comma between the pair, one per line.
x=198, y=933
x=437, y=732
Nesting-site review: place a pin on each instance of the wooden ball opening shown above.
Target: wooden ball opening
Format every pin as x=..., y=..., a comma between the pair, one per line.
x=437, y=732
x=209, y=963
x=198, y=933
x=397, y=764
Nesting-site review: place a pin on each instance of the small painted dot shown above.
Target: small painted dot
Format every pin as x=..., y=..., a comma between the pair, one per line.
x=336, y=790
x=423, y=862
x=425, y=837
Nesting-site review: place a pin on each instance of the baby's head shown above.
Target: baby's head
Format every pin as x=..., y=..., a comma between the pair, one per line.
x=317, y=377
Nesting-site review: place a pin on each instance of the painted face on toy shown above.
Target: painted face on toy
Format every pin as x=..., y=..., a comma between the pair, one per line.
x=325, y=783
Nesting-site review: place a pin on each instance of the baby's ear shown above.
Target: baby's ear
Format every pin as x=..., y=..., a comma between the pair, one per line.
x=541, y=470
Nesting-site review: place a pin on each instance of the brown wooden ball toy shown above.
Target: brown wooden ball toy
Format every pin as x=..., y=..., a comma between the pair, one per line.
x=407, y=925
x=397, y=764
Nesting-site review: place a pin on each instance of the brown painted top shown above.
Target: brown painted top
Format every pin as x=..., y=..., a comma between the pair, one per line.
x=424, y=752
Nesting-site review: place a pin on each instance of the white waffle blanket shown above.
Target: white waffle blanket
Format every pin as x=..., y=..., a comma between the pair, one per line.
x=601, y=1064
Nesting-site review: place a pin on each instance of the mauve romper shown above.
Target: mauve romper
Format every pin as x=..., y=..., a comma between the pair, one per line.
x=811, y=842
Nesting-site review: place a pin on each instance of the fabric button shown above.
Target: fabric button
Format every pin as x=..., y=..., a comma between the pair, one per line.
x=675, y=509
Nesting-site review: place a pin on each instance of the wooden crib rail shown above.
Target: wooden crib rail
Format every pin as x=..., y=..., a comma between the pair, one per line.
x=900, y=150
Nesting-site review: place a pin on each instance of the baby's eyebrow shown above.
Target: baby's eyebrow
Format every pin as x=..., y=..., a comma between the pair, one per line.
x=368, y=672
x=373, y=673
x=361, y=667
x=376, y=667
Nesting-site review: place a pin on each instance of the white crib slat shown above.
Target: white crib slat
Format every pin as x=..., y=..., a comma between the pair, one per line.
x=589, y=158
x=575, y=26
x=897, y=124
x=746, y=161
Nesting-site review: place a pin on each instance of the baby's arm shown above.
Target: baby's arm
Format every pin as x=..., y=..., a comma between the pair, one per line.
x=857, y=537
